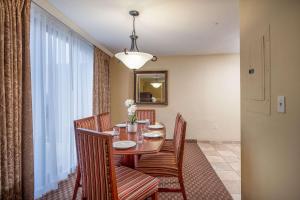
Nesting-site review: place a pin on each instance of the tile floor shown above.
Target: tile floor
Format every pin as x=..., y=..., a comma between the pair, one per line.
x=225, y=158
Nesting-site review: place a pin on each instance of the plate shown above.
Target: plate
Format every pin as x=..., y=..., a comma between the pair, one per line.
x=121, y=125
x=124, y=144
x=141, y=121
x=113, y=133
x=156, y=126
x=152, y=134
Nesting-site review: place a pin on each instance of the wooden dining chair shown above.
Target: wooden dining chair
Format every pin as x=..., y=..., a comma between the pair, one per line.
x=104, y=121
x=101, y=180
x=87, y=123
x=92, y=123
x=167, y=164
x=104, y=124
x=169, y=144
x=143, y=114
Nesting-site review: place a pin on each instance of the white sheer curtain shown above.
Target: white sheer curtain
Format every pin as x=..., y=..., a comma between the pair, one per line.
x=62, y=78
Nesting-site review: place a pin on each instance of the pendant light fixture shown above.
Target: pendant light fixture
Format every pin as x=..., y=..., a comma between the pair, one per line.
x=156, y=84
x=134, y=59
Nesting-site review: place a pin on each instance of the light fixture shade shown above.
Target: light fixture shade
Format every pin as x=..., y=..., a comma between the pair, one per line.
x=134, y=59
x=156, y=85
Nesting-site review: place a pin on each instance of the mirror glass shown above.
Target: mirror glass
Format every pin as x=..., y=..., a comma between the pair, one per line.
x=151, y=87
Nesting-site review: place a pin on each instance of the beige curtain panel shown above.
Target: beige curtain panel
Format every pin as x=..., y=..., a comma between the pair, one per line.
x=101, y=87
x=16, y=159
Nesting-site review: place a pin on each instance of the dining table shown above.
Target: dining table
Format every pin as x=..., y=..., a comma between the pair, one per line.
x=144, y=145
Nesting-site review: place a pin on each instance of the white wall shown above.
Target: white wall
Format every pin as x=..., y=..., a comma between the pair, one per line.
x=205, y=89
x=271, y=141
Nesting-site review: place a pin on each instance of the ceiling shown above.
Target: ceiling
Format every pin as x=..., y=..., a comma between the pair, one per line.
x=164, y=27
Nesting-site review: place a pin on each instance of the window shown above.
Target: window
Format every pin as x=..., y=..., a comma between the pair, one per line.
x=62, y=81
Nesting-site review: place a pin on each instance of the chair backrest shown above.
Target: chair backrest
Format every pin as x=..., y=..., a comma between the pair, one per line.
x=179, y=141
x=178, y=116
x=104, y=121
x=96, y=165
x=143, y=114
x=87, y=123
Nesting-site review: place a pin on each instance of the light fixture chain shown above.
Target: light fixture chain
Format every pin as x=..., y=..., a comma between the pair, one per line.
x=133, y=26
x=134, y=37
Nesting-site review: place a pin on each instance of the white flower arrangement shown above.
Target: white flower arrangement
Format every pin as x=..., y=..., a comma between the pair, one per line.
x=129, y=102
x=131, y=108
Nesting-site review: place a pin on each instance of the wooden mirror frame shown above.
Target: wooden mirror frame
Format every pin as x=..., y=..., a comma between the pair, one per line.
x=151, y=72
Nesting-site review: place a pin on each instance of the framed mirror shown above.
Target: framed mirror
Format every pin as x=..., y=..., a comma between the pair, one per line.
x=151, y=87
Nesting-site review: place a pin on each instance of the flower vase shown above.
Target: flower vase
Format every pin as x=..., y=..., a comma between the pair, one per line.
x=131, y=127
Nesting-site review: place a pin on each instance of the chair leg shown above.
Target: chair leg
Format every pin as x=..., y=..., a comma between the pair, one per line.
x=180, y=178
x=77, y=183
x=154, y=196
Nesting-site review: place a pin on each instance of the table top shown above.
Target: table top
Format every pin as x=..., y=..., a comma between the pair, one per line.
x=147, y=146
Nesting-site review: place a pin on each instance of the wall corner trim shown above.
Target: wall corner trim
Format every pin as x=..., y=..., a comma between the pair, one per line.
x=45, y=4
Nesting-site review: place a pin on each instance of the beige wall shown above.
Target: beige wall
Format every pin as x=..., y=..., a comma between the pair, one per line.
x=205, y=89
x=271, y=141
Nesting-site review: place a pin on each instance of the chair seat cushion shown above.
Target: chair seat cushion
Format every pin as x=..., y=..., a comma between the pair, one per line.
x=168, y=146
x=134, y=185
x=158, y=165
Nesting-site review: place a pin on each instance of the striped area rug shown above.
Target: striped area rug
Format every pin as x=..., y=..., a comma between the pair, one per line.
x=201, y=181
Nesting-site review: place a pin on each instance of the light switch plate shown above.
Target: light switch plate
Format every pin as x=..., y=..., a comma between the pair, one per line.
x=281, y=104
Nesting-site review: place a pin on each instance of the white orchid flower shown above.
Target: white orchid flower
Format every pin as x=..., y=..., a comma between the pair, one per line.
x=129, y=102
x=132, y=109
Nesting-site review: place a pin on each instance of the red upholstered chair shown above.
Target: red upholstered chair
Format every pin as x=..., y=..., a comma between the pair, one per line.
x=143, y=114
x=168, y=145
x=104, y=122
x=167, y=164
x=87, y=123
x=92, y=123
x=101, y=180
